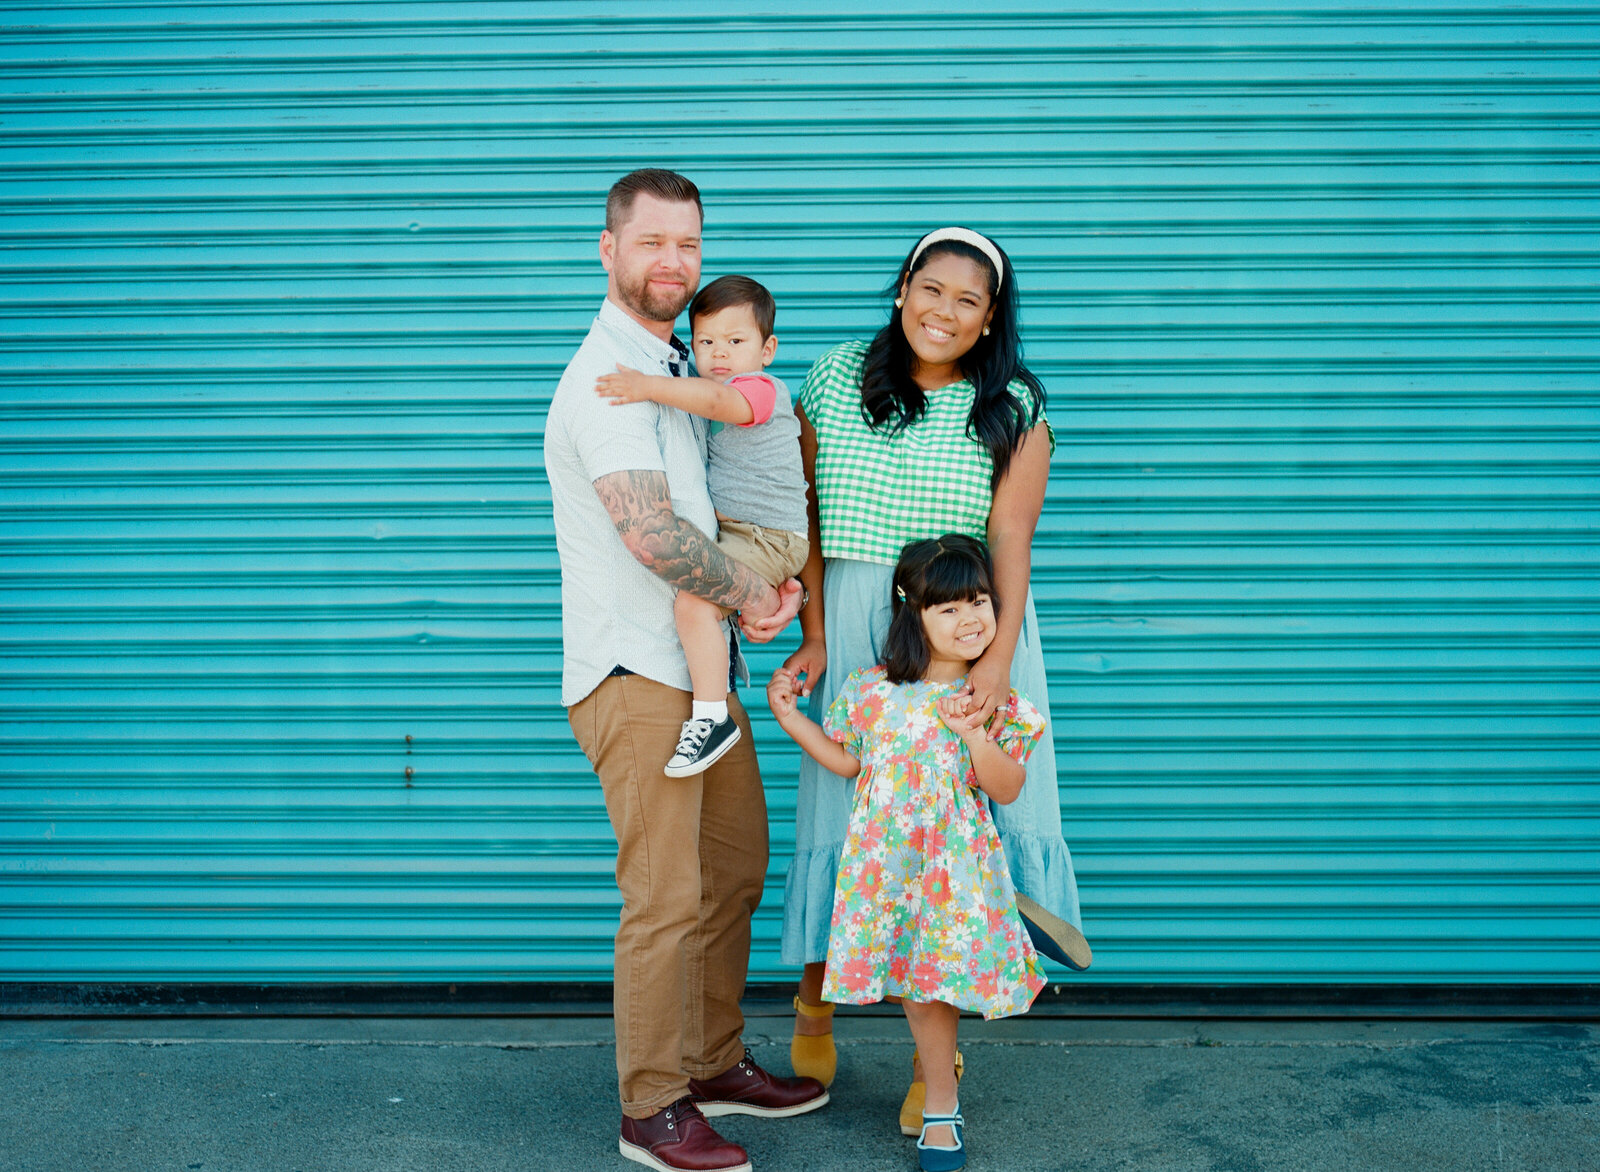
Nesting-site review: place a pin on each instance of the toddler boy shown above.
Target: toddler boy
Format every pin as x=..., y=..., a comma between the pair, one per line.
x=754, y=474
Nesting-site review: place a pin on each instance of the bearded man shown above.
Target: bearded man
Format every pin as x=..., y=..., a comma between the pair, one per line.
x=634, y=524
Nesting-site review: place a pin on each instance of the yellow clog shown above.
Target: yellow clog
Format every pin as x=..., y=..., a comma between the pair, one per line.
x=814, y=1055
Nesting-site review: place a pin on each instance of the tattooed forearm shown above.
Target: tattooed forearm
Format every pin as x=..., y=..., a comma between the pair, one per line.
x=640, y=506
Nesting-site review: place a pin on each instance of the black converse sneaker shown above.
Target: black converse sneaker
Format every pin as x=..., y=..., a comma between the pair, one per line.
x=700, y=744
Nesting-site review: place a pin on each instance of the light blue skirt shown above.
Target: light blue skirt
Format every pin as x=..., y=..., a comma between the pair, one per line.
x=856, y=599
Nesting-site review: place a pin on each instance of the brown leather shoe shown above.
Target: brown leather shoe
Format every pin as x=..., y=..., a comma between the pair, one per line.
x=678, y=1139
x=748, y=1090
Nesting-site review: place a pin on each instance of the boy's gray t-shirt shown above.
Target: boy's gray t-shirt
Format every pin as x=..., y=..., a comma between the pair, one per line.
x=755, y=474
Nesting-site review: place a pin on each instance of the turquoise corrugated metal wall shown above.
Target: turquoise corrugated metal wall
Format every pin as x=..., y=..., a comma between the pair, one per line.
x=286, y=287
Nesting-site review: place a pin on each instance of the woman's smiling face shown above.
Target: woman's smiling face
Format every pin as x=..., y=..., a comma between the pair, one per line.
x=947, y=305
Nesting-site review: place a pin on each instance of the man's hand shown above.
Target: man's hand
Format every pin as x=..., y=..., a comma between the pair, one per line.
x=760, y=626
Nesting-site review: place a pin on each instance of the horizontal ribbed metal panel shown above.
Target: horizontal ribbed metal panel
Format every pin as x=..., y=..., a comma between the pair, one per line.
x=286, y=288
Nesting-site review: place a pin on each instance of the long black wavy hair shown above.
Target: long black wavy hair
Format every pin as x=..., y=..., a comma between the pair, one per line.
x=891, y=398
x=951, y=568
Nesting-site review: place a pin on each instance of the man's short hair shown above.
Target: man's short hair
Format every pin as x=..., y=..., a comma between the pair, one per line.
x=726, y=292
x=664, y=185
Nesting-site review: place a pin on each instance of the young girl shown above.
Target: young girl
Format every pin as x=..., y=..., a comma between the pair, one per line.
x=924, y=907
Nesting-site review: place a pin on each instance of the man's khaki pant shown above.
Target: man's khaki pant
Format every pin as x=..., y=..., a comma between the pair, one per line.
x=691, y=859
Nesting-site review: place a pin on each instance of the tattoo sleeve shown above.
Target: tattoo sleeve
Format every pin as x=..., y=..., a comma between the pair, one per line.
x=640, y=506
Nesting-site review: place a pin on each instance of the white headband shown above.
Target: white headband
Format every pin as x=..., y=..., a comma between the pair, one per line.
x=967, y=236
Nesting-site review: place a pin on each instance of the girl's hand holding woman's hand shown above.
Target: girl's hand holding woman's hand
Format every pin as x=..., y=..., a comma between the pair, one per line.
x=989, y=683
x=781, y=694
x=960, y=717
x=807, y=733
x=810, y=660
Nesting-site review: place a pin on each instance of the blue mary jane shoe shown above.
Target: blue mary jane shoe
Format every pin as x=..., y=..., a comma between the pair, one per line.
x=941, y=1159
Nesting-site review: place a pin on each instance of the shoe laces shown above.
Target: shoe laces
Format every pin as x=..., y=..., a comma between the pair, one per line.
x=695, y=733
x=684, y=1111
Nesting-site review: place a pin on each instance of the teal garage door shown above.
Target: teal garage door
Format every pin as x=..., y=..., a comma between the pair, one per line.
x=286, y=288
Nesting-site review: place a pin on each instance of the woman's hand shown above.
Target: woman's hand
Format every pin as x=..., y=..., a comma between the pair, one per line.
x=989, y=682
x=807, y=664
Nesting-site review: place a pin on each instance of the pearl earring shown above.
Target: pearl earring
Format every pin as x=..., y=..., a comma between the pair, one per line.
x=899, y=302
x=985, y=331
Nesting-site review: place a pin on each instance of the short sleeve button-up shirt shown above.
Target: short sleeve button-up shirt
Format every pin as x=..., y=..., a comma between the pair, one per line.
x=614, y=612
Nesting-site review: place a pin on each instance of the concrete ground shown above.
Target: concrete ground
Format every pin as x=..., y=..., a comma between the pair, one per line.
x=527, y=1094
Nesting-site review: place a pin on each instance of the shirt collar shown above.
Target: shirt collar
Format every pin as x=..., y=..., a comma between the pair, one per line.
x=671, y=353
x=680, y=363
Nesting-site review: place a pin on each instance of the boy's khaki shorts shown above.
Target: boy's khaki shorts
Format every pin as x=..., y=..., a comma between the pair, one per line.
x=775, y=554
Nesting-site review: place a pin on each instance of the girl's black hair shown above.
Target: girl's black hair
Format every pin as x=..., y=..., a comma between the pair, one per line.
x=891, y=398
x=951, y=568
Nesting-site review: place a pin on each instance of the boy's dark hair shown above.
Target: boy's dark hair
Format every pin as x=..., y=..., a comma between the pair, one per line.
x=891, y=397
x=726, y=292
x=943, y=569
x=664, y=185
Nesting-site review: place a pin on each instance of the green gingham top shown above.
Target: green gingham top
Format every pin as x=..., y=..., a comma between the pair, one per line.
x=875, y=490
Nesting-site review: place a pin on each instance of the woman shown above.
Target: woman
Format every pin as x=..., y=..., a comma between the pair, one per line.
x=935, y=426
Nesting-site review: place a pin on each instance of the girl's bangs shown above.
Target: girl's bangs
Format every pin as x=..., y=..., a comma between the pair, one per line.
x=954, y=577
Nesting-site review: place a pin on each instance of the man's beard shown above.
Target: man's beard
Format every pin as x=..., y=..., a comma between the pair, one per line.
x=638, y=296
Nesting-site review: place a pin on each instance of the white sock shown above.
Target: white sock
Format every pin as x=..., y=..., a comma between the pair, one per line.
x=717, y=710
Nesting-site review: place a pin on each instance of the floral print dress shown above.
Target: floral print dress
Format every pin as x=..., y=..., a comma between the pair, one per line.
x=924, y=906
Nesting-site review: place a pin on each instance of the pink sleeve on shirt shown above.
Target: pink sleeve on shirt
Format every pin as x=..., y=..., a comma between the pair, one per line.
x=759, y=392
